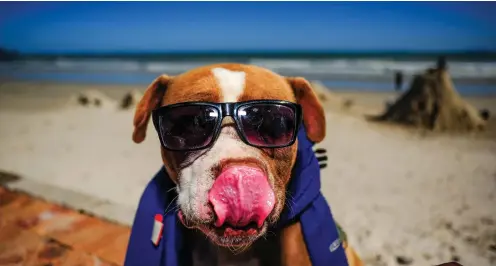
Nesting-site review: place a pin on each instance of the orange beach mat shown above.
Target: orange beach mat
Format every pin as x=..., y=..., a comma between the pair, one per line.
x=36, y=232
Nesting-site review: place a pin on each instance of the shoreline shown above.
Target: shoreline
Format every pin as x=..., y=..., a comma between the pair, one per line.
x=143, y=77
x=17, y=87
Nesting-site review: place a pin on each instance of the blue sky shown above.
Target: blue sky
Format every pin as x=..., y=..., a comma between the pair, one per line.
x=173, y=26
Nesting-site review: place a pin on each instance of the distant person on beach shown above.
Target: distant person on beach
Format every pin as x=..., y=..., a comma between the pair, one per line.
x=398, y=80
x=441, y=63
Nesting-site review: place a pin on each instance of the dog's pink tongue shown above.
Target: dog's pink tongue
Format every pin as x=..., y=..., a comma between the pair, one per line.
x=240, y=195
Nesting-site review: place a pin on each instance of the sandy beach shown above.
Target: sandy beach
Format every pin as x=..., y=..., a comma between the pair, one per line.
x=403, y=198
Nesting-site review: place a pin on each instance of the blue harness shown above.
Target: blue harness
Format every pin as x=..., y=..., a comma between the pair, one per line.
x=308, y=206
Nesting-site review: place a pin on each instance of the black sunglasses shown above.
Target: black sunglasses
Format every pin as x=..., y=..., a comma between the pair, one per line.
x=196, y=125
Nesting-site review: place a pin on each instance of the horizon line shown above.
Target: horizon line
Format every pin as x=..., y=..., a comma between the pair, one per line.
x=252, y=51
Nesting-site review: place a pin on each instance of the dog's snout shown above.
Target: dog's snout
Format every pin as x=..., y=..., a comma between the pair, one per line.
x=206, y=213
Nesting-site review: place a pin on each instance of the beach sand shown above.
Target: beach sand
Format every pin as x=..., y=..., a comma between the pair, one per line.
x=403, y=198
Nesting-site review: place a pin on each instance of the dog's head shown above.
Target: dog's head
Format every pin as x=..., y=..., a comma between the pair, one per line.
x=229, y=190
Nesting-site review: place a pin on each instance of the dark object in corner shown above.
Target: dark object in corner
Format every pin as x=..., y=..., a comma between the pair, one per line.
x=7, y=177
x=8, y=55
x=485, y=114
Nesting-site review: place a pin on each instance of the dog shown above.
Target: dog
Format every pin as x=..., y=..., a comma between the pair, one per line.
x=228, y=142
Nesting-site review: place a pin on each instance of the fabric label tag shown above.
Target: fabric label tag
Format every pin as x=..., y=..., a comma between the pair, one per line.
x=158, y=227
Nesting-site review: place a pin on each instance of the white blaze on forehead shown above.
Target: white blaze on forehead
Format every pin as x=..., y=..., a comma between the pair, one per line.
x=231, y=83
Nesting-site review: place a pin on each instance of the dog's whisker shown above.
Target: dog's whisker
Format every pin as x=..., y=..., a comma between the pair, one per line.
x=208, y=235
x=289, y=196
x=237, y=249
x=171, y=189
x=271, y=232
x=290, y=205
x=175, y=208
x=242, y=248
x=170, y=204
x=290, y=201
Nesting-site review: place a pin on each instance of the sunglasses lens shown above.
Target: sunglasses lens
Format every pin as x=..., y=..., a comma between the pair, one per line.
x=267, y=125
x=188, y=127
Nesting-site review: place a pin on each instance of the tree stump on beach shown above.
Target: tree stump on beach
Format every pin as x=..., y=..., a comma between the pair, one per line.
x=432, y=102
x=485, y=114
x=91, y=98
x=130, y=99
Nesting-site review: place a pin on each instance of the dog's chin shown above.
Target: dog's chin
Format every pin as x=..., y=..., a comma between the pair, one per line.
x=227, y=236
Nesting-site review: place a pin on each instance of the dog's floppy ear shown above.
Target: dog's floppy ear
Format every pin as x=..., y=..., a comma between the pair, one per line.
x=151, y=99
x=313, y=112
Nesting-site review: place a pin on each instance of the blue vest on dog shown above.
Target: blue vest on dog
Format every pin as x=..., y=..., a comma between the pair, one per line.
x=308, y=206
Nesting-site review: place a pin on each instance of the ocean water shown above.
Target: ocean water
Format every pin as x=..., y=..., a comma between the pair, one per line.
x=367, y=74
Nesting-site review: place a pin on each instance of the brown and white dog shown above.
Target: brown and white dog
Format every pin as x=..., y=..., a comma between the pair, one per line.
x=196, y=173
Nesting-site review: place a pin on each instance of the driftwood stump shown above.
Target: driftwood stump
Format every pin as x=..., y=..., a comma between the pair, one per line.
x=91, y=99
x=432, y=102
x=130, y=99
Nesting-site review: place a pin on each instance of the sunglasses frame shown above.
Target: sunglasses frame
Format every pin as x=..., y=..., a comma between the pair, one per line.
x=229, y=109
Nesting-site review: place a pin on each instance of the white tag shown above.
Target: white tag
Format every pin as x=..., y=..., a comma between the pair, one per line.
x=158, y=227
x=334, y=245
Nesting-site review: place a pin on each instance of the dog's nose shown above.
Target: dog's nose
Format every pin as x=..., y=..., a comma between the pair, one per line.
x=241, y=195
